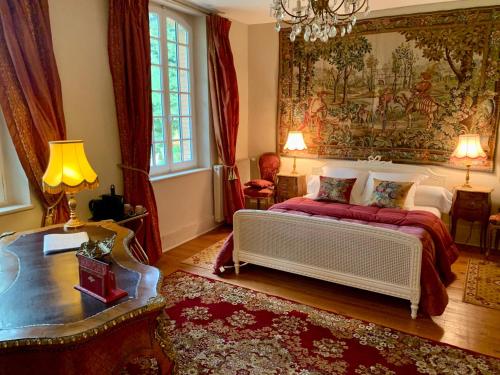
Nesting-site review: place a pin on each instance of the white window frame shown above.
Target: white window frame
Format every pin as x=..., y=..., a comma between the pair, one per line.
x=170, y=166
x=3, y=183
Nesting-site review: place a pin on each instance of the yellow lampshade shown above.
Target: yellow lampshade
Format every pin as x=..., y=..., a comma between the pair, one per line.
x=69, y=170
x=295, y=141
x=469, y=150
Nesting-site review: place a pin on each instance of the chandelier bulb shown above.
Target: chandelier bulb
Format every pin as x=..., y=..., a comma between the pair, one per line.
x=349, y=28
x=342, y=31
x=292, y=37
x=277, y=27
x=333, y=32
x=353, y=21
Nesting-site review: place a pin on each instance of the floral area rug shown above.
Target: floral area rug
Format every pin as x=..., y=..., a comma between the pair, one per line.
x=482, y=285
x=205, y=258
x=216, y=328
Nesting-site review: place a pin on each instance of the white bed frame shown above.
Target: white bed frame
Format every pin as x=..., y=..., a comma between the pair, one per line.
x=371, y=258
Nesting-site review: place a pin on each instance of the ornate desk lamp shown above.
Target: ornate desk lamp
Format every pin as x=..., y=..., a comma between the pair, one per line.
x=70, y=172
x=468, y=152
x=295, y=142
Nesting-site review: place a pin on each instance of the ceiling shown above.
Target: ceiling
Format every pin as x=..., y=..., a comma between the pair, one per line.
x=257, y=11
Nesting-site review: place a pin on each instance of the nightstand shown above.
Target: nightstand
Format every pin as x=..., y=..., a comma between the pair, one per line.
x=471, y=204
x=290, y=186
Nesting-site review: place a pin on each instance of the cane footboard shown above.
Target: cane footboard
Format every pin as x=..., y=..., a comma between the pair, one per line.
x=371, y=258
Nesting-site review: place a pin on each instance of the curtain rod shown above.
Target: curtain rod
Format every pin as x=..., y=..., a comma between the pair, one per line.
x=185, y=4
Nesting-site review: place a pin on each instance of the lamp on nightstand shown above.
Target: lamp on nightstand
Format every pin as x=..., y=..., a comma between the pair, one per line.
x=295, y=142
x=69, y=171
x=468, y=152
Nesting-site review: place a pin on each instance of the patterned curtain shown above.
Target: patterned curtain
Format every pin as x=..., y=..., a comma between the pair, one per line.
x=225, y=109
x=30, y=93
x=130, y=63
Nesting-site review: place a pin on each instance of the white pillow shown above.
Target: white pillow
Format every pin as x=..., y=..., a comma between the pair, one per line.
x=359, y=185
x=434, y=196
x=397, y=177
x=312, y=186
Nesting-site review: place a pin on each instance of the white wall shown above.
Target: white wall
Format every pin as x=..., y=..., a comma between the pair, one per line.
x=263, y=85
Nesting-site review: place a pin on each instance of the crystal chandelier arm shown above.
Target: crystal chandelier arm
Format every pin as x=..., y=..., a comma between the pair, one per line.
x=344, y=16
x=299, y=17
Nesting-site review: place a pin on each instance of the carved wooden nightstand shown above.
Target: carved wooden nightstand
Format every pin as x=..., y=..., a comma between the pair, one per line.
x=290, y=186
x=471, y=204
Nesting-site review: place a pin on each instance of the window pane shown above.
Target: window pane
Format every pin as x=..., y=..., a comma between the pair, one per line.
x=186, y=151
x=157, y=99
x=154, y=25
x=176, y=151
x=158, y=129
x=174, y=104
x=173, y=83
x=185, y=105
x=182, y=34
x=184, y=80
x=156, y=83
x=155, y=51
x=160, y=154
x=176, y=128
x=183, y=57
x=186, y=127
x=171, y=34
x=172, y=54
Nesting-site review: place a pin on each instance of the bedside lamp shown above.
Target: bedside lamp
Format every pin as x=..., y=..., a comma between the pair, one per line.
x=70, y=172
x=295, y=142
x=468, y=152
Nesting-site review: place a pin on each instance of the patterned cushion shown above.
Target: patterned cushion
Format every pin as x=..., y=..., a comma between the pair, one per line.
x=258, y=193
x=335, y=189
x=260, y=184
x=389, y=194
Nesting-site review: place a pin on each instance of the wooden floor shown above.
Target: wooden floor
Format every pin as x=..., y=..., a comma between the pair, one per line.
x=464, y=325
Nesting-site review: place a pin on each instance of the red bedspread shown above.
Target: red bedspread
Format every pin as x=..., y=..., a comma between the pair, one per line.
x=439, y=250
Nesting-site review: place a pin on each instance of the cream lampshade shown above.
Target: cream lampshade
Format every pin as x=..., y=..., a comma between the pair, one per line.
x=468, y=152
x=295, y=142
x=69, y=171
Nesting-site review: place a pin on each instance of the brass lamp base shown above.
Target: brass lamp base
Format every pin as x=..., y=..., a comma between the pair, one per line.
x=73, y=221
x=467, y=177
x=294, y=170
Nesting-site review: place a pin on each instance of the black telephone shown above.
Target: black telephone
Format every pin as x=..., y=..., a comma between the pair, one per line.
x=109, y=206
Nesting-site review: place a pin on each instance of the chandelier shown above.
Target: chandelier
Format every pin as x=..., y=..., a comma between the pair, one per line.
x=318, y=19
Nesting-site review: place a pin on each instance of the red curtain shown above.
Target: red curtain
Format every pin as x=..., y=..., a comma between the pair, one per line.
x=30, y=93
x=225, y=109
x=130, y=63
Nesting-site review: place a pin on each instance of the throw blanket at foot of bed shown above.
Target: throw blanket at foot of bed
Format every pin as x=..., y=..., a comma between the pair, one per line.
x=438, y=249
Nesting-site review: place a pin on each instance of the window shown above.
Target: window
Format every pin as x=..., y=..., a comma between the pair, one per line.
x=173, y=146
x=14, y=186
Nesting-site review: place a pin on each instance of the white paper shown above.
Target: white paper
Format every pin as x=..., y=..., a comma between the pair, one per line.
x=53, y=243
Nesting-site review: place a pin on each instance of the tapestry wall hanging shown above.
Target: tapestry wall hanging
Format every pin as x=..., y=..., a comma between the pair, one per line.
x=401, y=87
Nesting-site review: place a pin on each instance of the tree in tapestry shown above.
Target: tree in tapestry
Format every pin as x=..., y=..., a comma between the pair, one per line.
x=401, y=87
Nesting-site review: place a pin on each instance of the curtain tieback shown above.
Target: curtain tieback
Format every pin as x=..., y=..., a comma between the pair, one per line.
x=231, y=176
x=123, y=166
x=50, y=211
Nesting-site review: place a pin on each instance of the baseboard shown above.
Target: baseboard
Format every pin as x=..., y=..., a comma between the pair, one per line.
x=186, y=234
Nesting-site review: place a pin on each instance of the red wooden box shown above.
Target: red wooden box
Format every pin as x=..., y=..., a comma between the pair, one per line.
x=97, y=280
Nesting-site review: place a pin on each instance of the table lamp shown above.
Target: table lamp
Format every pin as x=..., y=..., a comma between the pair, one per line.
x=468, y=152
x=70, y=172
x=295, y=142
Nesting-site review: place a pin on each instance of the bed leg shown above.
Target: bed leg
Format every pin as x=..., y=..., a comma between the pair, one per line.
x=237, y=267
x=414, y=309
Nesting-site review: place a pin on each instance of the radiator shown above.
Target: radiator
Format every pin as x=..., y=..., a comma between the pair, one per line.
x=218, y=194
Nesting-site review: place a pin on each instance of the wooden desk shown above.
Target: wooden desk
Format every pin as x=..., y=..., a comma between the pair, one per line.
x=48, y=327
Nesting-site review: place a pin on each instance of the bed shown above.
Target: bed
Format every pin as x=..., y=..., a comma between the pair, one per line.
x=401, y=253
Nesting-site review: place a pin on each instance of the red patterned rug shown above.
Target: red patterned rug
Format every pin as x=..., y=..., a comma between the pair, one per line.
x=217, y=328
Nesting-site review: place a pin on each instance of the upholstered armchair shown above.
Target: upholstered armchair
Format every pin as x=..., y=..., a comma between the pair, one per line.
x=263, y=189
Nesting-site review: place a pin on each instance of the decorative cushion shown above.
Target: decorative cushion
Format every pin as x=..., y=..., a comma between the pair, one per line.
x=359, y=186
x=259, y=184
x=390, y=194
x=258, y=193
x=396, y=177
x=335, y=189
